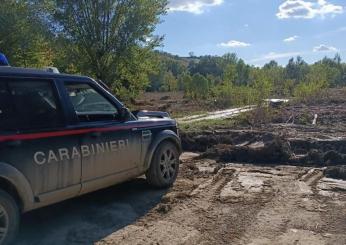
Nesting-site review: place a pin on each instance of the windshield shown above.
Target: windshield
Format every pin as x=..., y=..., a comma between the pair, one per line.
x=87, y=100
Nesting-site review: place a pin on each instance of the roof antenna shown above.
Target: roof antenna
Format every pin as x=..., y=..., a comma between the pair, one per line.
x=3, y=60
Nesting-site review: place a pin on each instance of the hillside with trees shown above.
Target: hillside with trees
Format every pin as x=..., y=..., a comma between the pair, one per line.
x=114, y=41
x=230, y=80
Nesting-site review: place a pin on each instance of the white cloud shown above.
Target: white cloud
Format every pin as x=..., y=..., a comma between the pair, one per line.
x=324, y=48
x=307, y=9
x=275, y=56
x=234, y=44
x=192, y=6
x=291, y=39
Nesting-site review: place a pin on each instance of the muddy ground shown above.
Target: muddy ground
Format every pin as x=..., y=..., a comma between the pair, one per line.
x=243, y=204
x=211, y=203
x=281, y=181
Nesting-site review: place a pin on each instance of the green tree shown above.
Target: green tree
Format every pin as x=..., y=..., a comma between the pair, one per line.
x=296, y=69
x=313, y=85
x=170, y=82
x=272, y=64
x=207, y=65
x=230, y=74
x=243, y=73
x=334, y=70
x=181, y=84
x=113, y=38
x=230, y=58
x=24, y=37
x=200, y=88
x=262, y=85
x=187, y=83
x=275, y=74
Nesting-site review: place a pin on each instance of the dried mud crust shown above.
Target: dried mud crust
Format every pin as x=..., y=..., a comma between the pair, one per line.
x=243, y=204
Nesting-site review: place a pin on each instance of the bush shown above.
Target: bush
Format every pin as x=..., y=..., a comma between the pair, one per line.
x=307, y=92
x=228, y=95
x=259, y=89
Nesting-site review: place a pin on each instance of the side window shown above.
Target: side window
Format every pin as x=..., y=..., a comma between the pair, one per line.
x=6, y=108
x=35, y=104
x=90, y=105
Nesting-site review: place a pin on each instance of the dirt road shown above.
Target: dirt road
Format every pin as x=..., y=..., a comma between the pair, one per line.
x=89, y=218
x=215, y=115
x=218, y=201
x=244, y=204
x=210, y=204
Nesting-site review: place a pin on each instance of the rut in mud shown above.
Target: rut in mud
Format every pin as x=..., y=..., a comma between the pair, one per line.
x=243, y=204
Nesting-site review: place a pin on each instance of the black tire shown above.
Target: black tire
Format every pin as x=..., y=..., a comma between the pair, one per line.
x=164, y=166
x=9, y=218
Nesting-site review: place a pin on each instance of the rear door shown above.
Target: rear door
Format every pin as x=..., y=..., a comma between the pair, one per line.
x=110, y=148
x=33, y=138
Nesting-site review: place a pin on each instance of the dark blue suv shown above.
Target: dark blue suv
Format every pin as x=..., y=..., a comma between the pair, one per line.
x=62, y=136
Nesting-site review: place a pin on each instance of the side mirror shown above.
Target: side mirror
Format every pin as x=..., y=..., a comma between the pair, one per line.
x=124, y=114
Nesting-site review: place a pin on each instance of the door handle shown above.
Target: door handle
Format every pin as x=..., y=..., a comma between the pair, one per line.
x=146, y=134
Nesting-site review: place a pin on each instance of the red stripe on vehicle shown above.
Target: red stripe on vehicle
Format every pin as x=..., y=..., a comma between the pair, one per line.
x=34, y=136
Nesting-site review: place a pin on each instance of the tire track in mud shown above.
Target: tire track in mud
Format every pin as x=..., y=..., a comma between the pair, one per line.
x=292, y=215
x=216, y=221
x=240, y=204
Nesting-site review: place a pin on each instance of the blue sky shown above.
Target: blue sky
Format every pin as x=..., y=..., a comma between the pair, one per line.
x=257, y=30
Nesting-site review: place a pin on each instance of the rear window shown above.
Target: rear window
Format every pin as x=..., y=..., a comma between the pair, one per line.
x=30, y=105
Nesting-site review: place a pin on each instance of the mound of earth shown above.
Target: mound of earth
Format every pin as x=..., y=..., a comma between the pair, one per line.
x=263, y=147
x=267, y=151
x=336, y=172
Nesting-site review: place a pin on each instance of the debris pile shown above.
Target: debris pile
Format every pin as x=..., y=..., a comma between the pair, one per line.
x=262, y=147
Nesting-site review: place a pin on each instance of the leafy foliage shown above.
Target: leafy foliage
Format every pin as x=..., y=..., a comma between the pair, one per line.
x=232, y=82
x=23, y=35
x=113, y=40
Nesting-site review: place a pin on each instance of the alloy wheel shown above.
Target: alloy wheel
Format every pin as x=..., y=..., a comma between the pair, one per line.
x=168, y=164
x=4, y=221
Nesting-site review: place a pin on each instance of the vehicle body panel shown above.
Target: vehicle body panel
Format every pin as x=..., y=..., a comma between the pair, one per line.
x=21, y=184
x=51, y=165
x=41, y=162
